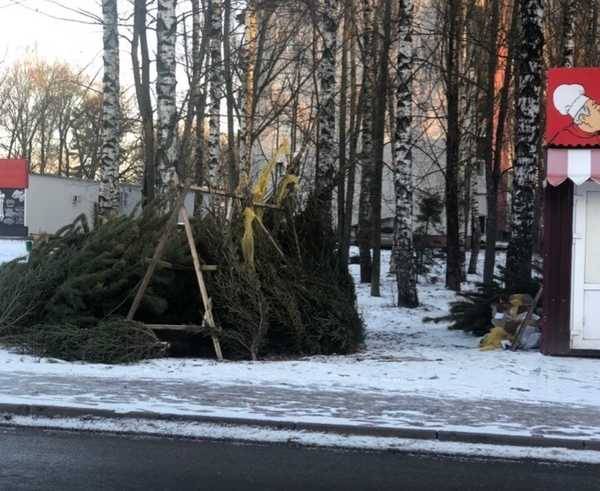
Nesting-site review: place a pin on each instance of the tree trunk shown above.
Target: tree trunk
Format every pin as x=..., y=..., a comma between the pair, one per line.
x=108, y=196
x=248, y=56
x=327, y=105
x=166, y=27
x=520, y=248
x=492, y=165
x=141, y=75
x=568, y=34
x=378, y=148
x=200, y=56
x=233, y=169
x=355, y=123
x=366, y=155
x=453, y=256
x=342, y=136
x=217, y=85
x=404, y=254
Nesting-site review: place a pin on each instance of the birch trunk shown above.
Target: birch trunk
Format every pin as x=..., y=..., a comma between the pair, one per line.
x=166, y=84
x=217, y=84
x=366, y=154
x=200, y=61
x=520, y=248
x=327, y=84
x=404, y=255
x=568, y=34
x=475, y=229
x=108, y=197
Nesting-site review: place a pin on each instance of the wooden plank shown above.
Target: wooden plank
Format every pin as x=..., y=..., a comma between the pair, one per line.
x=179, y=267
x=227, y=194
x=200, y=277
x=191, y=328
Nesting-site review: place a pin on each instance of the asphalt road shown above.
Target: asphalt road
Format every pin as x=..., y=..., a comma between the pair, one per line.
x=54, y=460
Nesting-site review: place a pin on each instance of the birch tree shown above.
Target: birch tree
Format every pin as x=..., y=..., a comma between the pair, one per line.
x=568, y=34
x=166, y=31
x=327, y=104
x=108, y=196
x=217, y=83
x=404, y=257
x=520, y=248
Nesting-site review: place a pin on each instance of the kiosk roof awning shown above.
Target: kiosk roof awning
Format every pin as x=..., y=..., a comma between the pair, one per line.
x=577, y=164
x=14, y=174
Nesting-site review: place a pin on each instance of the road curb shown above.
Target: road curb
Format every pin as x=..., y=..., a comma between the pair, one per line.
x=7, y=411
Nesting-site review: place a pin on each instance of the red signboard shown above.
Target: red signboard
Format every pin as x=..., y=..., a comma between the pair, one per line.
x=14, y=174
x=573, y=107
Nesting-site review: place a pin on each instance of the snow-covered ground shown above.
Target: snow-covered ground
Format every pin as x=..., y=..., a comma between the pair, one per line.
x=11, y=249
x=410, y=374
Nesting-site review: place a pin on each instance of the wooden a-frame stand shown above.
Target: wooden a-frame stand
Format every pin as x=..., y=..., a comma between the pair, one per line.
x=179, y=212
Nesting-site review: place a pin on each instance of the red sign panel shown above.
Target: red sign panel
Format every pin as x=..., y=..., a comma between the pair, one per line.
x=14, y=174
x=573, y=107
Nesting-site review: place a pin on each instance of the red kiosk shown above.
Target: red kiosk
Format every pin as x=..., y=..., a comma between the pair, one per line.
x=14, y=181
x=571, y=322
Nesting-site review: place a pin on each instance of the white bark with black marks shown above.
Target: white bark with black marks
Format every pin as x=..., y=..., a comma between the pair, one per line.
x=404, y=256
x=520, y=249
x=568, y=34
x=217, y=84
x=327, y=109
x=166, y=94
x=108, y=197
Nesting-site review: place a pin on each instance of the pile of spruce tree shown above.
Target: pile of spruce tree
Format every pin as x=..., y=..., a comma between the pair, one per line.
x=70, y=300
x=472, y=312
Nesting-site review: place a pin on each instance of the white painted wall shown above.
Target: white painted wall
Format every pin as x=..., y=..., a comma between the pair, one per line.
x=53, y=202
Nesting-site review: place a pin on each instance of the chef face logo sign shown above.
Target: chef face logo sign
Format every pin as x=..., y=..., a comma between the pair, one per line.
x=573, y=107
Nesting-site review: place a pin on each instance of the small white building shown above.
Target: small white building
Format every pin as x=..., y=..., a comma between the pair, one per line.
x=53, y=202
x=32, y=204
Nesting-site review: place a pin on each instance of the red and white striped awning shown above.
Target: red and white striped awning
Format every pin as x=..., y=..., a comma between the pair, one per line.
x=577, y=164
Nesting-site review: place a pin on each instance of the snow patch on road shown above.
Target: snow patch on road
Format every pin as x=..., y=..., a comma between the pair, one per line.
x=253, y=434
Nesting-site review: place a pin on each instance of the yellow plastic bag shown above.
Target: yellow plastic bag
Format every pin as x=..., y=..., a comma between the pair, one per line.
x=493, y=339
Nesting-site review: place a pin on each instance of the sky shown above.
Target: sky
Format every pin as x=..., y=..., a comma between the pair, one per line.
x=27, y=26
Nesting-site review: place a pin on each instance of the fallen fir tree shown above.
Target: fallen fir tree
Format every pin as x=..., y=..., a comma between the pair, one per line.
x=71, y=299
x=474, y=309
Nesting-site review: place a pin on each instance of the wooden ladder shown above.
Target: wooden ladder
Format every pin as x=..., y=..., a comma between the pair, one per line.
x=180, y=212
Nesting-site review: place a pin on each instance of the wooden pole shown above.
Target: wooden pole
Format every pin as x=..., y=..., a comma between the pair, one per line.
x=208, y=316
x=218, y=192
